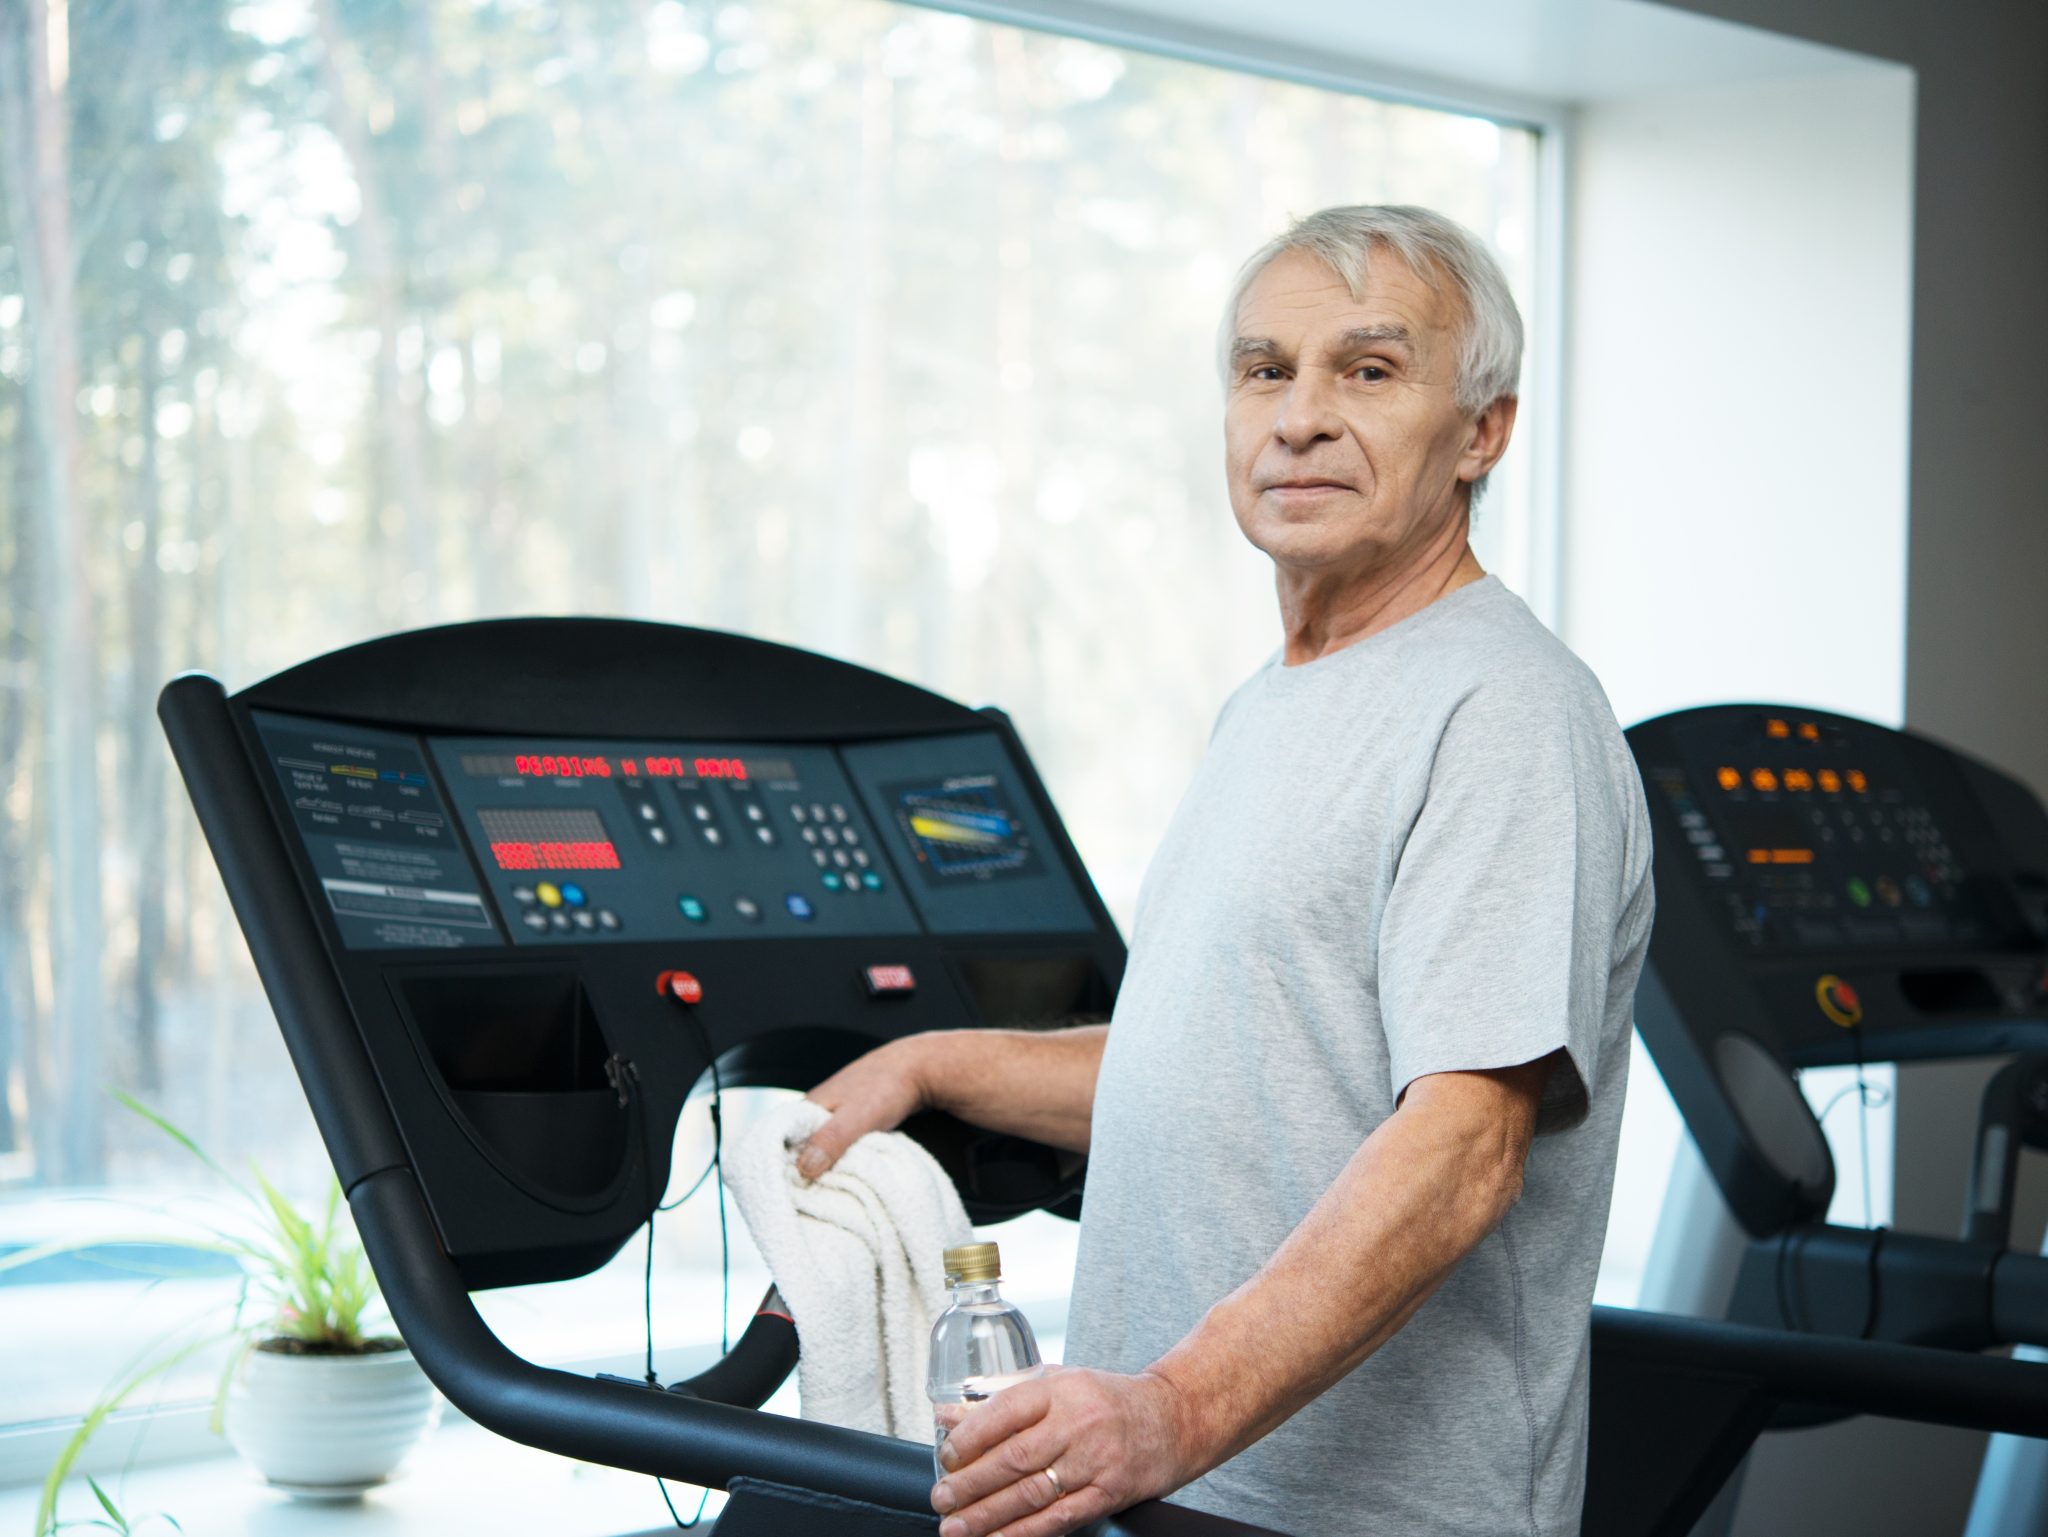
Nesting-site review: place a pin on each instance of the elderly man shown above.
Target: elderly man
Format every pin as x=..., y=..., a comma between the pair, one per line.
x=1351, y=1130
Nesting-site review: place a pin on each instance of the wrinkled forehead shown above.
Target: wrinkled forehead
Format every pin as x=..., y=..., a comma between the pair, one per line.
x=1303, y=295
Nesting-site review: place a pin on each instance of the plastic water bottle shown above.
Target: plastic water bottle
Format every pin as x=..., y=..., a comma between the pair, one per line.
x=980, y=1345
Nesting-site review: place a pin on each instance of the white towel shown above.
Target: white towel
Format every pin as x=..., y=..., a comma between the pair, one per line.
x=857, y=1256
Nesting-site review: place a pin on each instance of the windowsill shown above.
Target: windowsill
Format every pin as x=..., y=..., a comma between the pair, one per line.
x=460, y=1479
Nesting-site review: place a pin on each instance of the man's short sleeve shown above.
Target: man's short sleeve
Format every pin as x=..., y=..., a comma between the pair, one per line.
x=1500, y=929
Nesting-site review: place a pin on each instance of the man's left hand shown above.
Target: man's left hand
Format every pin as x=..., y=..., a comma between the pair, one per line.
x=1108, y=1439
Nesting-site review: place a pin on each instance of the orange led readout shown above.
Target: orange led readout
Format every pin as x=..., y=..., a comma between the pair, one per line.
x=1777, y=729
x=1731, y=778
x=1759, y=856
x=1763, y=779
x=1781, y=856
x=1798, y=779
x=1857, y=782
x=1830, y=781
x=1808, y=731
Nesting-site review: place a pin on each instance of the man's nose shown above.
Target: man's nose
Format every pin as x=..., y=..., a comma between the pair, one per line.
x=1308, y=412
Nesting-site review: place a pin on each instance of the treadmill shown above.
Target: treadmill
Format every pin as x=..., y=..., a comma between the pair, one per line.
x=1831, y=892
x=513, y=887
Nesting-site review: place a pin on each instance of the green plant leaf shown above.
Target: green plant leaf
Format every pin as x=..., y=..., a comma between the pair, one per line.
x=96, y=1416
x=176, y=1136
x=113, y=1511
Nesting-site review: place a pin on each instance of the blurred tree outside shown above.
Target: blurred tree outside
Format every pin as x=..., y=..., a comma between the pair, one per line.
x=855, y=325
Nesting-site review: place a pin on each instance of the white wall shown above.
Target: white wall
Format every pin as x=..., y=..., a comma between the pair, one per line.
x=1735, y=447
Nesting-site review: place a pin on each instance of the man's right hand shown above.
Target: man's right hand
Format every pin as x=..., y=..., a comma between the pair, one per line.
x=878, y=1091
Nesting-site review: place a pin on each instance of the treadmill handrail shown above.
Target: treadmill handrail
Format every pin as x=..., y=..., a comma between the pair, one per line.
x=1907, y=1382
x=647, y=1430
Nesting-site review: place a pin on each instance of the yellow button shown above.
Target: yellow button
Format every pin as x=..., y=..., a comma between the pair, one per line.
x=549, y=893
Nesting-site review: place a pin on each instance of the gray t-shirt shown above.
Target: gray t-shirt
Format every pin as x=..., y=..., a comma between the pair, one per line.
x=1424, y=853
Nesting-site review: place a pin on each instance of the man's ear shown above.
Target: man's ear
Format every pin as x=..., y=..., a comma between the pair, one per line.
x=1491, y=430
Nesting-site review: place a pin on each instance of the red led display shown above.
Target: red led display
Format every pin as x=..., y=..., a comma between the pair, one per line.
x=561, y=766
x=591, y=855
x=721, y=768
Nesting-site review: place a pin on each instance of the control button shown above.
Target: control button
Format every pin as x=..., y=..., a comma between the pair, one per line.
x=860, y=857
x=560, y=921
x=691, y=909
x=713, y=836
x=537, y=921
x=797, y=813
x=747, y=908
x=872, y=881
x=1888, y=891
x=884, y=981
x=830, y=880
x=841, y=858
x=585, y=919
x=681, y=986
x=850, y=836
x=658, y=836
x=821, y=858
x=523, y=895
x=811, y=834
x=817, y=812
x=839, y=813
x=1838, y=1000
x=572, y=894
x=700, y=811
x=766, y=835
x=1859, y=893
x=549, y=893
x=755, y=813
x=830, y=835
x=607, y=919
x=647, y=811
x=799, y=906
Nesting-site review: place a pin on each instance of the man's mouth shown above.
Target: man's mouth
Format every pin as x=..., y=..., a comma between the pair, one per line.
x=1314, y=483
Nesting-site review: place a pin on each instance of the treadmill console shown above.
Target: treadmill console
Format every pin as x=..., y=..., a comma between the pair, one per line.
x=1828, y=891
x=504, y=848
x=599, y=842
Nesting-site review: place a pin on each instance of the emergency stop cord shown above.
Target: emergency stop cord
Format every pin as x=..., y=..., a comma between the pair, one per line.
x=624, y=1078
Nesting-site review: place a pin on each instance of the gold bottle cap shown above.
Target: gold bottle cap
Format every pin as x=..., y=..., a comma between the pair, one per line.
x=973, y=1262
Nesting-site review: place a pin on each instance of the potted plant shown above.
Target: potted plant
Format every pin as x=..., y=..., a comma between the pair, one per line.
x=318, y=1399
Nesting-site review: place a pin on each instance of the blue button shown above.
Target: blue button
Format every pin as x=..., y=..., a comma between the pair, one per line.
x=871, y=880
x=572, y=894
x=799, y=906
x=830, y=880
x=690, y=908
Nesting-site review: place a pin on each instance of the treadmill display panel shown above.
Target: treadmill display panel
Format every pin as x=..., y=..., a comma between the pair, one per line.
x=1817, y=837
x=586, y=841
x=382, y=845
x=960, y=817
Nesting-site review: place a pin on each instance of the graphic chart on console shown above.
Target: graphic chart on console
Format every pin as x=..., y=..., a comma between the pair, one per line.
x=960, y=828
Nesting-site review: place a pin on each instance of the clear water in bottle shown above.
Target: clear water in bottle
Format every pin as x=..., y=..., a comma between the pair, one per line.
x=981, y=1344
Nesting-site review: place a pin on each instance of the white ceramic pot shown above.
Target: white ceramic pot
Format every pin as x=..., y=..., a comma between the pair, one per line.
x=328, y=1427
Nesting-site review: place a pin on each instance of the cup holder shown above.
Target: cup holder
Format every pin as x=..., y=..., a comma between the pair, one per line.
x=522, y=1061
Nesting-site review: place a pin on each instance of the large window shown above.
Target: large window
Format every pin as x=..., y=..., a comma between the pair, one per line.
x=868, y=328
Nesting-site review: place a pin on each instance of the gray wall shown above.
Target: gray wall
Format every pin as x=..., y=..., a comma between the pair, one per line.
x=1977, y=615
x=1977, y=567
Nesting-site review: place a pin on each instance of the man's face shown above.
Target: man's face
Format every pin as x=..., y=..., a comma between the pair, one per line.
x=1343, y=441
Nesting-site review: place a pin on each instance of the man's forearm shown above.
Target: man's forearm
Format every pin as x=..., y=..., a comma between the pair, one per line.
x=1419, y=1194
x=1031, y=1083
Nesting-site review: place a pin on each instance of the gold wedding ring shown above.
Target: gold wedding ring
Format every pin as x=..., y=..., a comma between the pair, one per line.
x=1059, y=1490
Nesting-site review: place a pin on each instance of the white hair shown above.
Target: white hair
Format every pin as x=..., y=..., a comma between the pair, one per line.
x=1437, y=250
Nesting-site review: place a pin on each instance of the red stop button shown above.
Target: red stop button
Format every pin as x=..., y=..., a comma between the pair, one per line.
x=681, y=986
x=888, y=981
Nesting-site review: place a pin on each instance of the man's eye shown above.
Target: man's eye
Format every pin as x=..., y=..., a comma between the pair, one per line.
x=1265, y=371
x=1372, y=373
